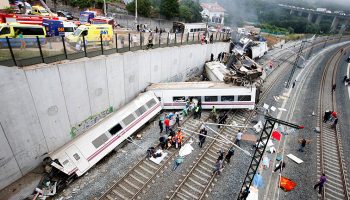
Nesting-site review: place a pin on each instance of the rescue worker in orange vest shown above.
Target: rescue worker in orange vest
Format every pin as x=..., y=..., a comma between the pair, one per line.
x=177, y=139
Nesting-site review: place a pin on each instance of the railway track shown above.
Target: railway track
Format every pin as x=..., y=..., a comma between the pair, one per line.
x=196, y=183
x=198, y=180
x=145, y=171
x=329, y=147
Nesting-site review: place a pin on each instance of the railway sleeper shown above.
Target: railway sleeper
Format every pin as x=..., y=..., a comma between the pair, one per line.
x=119, y=194
x=207, y=164
x=182, y=196
x=126, y=189
x=132, y=184
x=334, y=195
x=146, y=170
x=210, y=159
x=141, y=174
x=188, y=193
x=196, y=182
x=204, y=168
x=199, y=177
x=192, y=187
x=150, y=165
x=137, y=179
x=337, y=188
x=202, y=173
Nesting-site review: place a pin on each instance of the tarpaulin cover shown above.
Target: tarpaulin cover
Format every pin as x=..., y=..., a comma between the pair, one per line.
x=258, y=181
x=287, y=184
x=276, y=135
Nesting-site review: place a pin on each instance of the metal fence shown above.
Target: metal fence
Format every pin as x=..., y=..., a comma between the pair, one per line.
x=23, y=52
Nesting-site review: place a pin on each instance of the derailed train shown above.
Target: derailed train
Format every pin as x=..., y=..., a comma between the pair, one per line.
x=83, y=152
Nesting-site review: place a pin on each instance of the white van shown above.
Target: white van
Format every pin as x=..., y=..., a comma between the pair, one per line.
x=69, y=28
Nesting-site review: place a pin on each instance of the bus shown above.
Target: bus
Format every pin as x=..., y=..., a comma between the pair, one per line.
x=180, y=27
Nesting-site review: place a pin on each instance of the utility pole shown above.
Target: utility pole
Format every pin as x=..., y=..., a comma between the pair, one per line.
x=136, y=11
x=104, y=8
x=296, y=61
x=259, y=152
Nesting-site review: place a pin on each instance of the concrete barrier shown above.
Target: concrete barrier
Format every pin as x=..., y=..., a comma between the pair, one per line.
x=45, y=106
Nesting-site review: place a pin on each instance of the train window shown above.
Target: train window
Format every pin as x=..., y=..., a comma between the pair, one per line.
x=244, y=98
x=178, y=99
x=210, y=98
x=140, y=110
x=65, y=162
x=76, y=156
x=151, y=103
x=100, y=140
x=127, y=120
x=227, y=98
x=115, y=129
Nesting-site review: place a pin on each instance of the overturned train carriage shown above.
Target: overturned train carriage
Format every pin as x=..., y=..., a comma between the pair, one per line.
x=83, y=152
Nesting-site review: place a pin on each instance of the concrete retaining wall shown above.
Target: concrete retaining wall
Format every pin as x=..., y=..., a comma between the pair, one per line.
x=40, y=104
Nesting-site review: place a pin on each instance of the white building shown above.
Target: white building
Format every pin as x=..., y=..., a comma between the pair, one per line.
x=214, y=11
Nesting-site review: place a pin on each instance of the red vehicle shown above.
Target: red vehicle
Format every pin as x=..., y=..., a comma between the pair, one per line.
x=103, y=20
x=24, y=19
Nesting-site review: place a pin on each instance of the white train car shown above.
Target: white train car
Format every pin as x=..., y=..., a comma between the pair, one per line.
x=84, y=151
x=215, y=71
x=222, y=96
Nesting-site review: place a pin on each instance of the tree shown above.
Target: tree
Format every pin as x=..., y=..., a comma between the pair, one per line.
x=144, y=7
x=195, y=9
x=169, y=8
x=185, y=13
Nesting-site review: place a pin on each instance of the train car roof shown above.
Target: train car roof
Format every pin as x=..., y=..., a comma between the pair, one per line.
x=191, y=85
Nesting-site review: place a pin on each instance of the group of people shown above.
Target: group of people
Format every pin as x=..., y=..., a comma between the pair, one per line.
x=346, y=80
x=221, y=56
x=172, y=139
x=218, y=167
x=192, y=106
x=204, y=39
x=331, y=116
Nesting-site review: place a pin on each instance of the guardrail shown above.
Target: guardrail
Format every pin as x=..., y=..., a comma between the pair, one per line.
x=29, y=51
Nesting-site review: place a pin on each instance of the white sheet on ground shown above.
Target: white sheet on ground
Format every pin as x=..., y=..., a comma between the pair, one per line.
x=159, y=159
x=294, y=158
x=269, y=143
x=186, y=150
x=254, y=193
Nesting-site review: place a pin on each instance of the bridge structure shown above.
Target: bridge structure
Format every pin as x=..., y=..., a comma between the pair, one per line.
x=312, y=14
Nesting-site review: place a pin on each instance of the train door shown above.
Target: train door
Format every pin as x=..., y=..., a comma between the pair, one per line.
x=78, y=159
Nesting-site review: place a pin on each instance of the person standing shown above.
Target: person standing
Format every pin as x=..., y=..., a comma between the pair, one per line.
x=167, y=125
x=344, y=79
x=203, y=133
x=177, y=120
x=326, y=116
x=160, y=123
x=238, y=138
x=211, y=39
x=156, y=29
x=23, y=43
x=222, y=56
x=333, y=87
x=217, y=167
x=221, y=155
x=302, y=145
x=163, y=141
x=219, y=56
x=320, y=184
x=335, y=122
x=280, y=166
x=229, y=154
x=293, y=85
x=211, y=57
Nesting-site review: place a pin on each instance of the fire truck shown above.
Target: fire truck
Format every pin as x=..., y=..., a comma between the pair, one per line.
x=24, y=19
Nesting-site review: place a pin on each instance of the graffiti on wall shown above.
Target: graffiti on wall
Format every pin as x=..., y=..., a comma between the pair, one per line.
x=89, y=122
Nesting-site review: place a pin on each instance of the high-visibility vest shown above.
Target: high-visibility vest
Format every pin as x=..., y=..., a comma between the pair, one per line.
x=197, y=109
